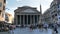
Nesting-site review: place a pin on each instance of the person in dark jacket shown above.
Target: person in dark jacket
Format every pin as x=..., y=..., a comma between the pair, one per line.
x=55, y=26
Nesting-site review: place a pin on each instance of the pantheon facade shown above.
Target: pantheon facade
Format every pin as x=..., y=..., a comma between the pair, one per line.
x=26, y=16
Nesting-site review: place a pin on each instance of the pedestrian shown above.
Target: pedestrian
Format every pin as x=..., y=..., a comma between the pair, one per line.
x=45, y=26
x=41, y=27
x=55, y=26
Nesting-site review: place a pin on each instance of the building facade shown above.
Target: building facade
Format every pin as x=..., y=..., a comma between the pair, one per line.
x=26, y=16
x=47, y=16
x=2, y=9
x=53, y=13
x=8, y=18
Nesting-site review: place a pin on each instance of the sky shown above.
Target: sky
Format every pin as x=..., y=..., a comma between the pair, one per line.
x=12, y=5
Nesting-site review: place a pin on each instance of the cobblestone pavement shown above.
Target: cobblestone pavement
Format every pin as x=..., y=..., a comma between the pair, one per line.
x=29, y=31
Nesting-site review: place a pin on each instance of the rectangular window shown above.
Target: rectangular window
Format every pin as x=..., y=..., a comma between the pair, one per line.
x=59, y=17
x=59, y=6
x=55, y=14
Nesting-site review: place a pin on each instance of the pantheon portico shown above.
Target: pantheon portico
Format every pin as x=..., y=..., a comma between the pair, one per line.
x=26, y=16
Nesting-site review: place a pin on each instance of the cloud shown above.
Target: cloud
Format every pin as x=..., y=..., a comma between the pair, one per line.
x=18, y=0
x=34, y=3
x=6, y=2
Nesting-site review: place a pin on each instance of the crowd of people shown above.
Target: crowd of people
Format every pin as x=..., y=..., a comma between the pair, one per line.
x=46, y=26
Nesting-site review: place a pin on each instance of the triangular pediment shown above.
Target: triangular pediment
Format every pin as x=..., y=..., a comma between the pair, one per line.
x=29, y=11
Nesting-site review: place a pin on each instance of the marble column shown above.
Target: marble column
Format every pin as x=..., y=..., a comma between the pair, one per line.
x=20, y=19
x=37, y=18
x=23, y=20
x=16, y=20
x=27, y=19
x=30, y=20
x=34, y=19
